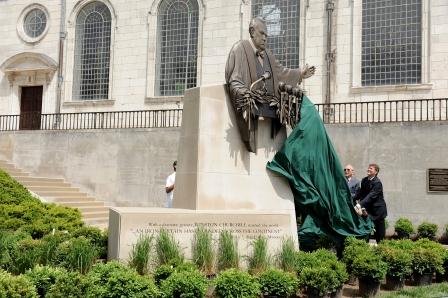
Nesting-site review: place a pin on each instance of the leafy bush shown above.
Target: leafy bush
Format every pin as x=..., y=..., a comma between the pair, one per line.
x=19, y=210
x=203, y=255
x=320, y=272
x=49, y=246
x=77, y=254
x=318, y=280
x=399, y=261
x=352, y=248
x=115, y=280
x=167, y=248
x=16, y=286
x=164, y=271
x=140, y=254
x=26, y=255
x=368, y=265
x=427, y=230
x=403, y=228
x=259, y=260
x=70, y=285
x=96, y=236
x=427, y=260
x=227, y=251
x=276, y=282
x=235, y=283
x=188, y=284
x=436, y=248
x=287, y=256
x=8, y=245
x=43, y=277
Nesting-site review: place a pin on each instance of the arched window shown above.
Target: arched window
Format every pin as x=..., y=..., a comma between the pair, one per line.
x=282, y=21
x=92, y=52
x=177, y=47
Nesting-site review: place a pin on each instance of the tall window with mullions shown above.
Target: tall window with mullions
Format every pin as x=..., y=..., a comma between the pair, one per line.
x=177, y=47
x=282, y=21
x=391, y=42
x=92, y=52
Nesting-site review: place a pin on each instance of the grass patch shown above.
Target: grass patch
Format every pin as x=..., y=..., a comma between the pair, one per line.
x=433, y=291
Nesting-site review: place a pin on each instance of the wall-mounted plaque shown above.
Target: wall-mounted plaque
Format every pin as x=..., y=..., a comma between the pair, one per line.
x=437, y=180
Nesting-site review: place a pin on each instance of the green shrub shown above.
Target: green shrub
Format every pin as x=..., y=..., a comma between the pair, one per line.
x=403, y=228
x=235, y=283
x=70, y=285
x=77, y=254
x=140, y=254
x=115, y=280
x=352, y=248
x=427, y=260
x=16, y=286
x=368, y=265
x=399, y=261
x=96, y=236
x=318, y=280
x=49, y=246
x=404, y=244
x=188, y=284
x=427, y=230
x=43, y=277
x=167, y=248
x=202, y=248
x=164, y=271
x=304, y=260
x=437, y=248
x=287, y=256
x=259, y=260
x=276, y=282
x=227, y=251
x=26, y=255
x=8, y=244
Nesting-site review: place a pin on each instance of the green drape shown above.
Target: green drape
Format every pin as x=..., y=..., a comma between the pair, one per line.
x=311, y=165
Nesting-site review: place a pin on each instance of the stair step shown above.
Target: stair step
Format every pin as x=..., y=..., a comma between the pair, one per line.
x=37, y=179
x=72, y=199
x=85, y=209
x=95, y=214
x=45, y=184
x=42, y=188
x=62, y=194
x=79, y=204
x=15, y=172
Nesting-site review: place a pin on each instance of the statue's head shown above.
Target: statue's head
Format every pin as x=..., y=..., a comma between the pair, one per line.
x=258, y=34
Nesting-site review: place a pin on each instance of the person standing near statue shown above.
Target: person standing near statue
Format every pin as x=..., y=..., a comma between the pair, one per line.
x=352, y=181
x=371, y=199
x=169, y=186
x=248, y=61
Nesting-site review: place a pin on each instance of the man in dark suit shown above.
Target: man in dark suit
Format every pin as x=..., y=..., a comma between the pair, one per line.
x=371, y=199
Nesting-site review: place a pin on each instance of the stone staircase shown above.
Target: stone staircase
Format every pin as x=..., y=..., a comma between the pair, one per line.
x=58, y=191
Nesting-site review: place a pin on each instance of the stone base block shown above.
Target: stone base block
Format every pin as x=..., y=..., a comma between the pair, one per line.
x=126, y=224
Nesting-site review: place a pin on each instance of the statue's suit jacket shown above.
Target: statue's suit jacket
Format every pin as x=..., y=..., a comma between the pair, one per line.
x=371, y=197
x=241, y=72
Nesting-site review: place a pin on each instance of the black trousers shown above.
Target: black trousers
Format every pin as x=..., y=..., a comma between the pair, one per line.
x=380, y=229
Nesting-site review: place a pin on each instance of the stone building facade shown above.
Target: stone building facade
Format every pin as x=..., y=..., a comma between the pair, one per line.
x=131, y=55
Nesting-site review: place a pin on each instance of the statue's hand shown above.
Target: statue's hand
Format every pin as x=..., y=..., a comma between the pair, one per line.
x=308, y=71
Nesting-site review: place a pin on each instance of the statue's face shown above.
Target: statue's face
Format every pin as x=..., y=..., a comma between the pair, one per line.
x=259, y=36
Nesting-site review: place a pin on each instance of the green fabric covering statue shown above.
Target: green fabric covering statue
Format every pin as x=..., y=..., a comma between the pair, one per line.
x=311, y=165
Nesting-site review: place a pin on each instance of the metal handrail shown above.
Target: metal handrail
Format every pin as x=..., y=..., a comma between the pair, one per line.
x=412, y=110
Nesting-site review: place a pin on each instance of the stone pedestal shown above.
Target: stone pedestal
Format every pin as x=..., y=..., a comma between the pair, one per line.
x=219, y=184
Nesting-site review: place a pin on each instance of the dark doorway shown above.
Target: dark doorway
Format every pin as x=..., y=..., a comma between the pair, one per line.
x=30, y=107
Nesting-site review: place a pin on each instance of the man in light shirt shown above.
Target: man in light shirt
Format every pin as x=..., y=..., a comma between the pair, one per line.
x=169, y=186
